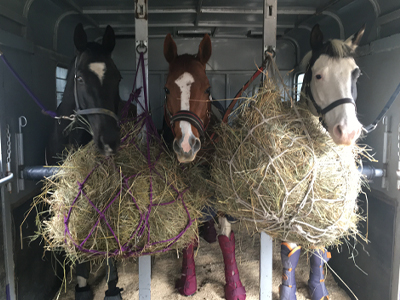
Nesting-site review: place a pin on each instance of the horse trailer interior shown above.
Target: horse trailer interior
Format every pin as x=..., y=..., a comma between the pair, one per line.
x=36, y=36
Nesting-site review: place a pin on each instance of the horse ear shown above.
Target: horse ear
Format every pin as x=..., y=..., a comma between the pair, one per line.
x=317, y=38
x=109, y=39
x=204, y=53
x=80, y=38
x=170, y=50
x=355, y=39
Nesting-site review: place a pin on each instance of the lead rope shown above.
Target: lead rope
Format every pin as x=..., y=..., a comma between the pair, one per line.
x=28, y=90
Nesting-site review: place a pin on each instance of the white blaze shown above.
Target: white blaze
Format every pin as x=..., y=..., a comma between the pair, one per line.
x=184, y=82
x=98, y=68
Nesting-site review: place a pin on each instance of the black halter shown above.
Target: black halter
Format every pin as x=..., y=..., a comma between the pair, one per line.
x=322, y=111
x=185, y=115
x=89, y=111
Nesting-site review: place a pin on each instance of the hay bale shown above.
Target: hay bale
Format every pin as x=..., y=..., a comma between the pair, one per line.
x=109, y=214
x=292, y=183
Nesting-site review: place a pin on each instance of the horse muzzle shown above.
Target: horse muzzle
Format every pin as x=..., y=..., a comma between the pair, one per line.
x=186, y=150
x=345, y=135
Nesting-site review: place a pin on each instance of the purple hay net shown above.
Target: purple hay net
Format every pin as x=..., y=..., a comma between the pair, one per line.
x=128, y=249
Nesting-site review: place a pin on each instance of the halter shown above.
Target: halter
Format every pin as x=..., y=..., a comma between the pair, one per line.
x=89, y=111
x=322, y=111
x=186, y=115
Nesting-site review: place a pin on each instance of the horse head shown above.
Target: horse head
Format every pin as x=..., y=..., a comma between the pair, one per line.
x=96, y=88
x=330, y=85
x=187, y=96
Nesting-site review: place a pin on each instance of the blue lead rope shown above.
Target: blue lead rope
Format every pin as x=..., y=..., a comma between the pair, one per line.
x=36, y=99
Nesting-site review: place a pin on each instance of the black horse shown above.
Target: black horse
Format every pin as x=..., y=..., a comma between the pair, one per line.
x=91, y=95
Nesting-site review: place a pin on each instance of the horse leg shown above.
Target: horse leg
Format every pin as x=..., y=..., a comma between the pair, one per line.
x=187, y=284
x=234, y=289
x=207, y=228
x=82, y=289
x=113, y=292
x=316, y=283
x=290, y=254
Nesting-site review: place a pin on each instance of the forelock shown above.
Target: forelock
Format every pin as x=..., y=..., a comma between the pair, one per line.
x=338, y=49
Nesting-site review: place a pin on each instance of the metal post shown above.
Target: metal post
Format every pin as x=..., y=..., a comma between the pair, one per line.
x=8, y=245
x=266, y=248
x=141, y=43
x=269, y=32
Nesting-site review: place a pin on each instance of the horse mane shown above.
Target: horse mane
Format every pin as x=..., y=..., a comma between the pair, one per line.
x=334, y=48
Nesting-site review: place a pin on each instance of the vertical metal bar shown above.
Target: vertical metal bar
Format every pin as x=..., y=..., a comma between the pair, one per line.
x=387, y=134
x=141, y=42
x=266, y=249
x=265, y=267
x=269, y=32
x=145, y=277
x=8, y=245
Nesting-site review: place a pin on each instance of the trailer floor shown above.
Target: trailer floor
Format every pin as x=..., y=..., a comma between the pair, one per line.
x=210, y=274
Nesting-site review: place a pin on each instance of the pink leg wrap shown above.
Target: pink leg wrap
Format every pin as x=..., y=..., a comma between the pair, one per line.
x=234, y=289
x=187, y=285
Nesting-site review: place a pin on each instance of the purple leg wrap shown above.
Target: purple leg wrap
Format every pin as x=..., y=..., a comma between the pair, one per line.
x=316, y=283
x=290, y=258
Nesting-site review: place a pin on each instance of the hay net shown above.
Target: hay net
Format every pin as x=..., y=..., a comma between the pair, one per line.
x=278, y=170
x=138, y=202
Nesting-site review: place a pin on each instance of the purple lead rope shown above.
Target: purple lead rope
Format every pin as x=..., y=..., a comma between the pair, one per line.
x=143, y=226
x=27, y=89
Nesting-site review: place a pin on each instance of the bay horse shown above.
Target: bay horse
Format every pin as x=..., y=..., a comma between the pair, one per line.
x=92, y=95
x=188, y=114
x=329, y=88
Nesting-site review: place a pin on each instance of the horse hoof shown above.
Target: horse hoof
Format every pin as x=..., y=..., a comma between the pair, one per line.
x=186, y=287
x=84, y=293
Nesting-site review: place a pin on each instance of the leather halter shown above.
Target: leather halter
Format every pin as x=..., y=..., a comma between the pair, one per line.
x=188, y=116
x=322, y=111
x=89, y=111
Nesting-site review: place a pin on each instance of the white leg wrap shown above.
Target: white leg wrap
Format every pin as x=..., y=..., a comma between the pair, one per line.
x=292, y=245
x=82, y=282
x=225, y=226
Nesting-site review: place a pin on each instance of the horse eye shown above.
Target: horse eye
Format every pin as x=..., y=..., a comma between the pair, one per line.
x=80, y=79
x=208, y=91
x=318, y=76
x=166, y=91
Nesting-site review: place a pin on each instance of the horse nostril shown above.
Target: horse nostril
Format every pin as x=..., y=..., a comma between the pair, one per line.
x=338, y=131
x=196, y=146
x=176, y=147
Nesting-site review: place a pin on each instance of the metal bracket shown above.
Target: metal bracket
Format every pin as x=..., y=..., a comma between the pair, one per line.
x=141, y=9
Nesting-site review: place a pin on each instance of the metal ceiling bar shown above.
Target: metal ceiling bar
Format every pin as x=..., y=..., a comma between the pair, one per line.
x=78, y=9
x=112, y=11
x=390, y=17
x=201, y=24
x=198, y=12
x=11, y=15
x=290, y=10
